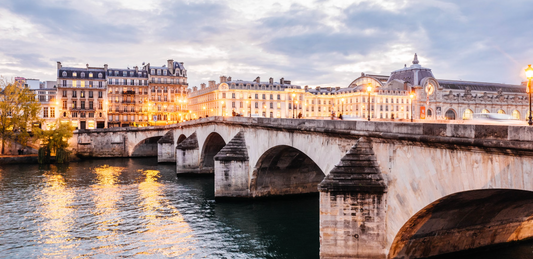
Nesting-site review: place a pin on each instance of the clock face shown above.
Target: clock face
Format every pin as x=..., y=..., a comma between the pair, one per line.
x=430, y=89
x=223, y=86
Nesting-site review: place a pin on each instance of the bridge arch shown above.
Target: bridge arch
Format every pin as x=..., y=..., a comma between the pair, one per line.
x=283, y=170
x=181, y=138
x=147, y=147
x=212, y=145
x=466, y=220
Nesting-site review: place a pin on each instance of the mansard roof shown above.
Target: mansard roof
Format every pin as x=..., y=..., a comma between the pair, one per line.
x=254, y=83
x=140, y=73
x=480, y=86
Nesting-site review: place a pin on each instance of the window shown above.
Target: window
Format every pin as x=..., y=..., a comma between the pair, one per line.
x=233, y=95
x=256, y=105
x=450, y=115
x=264, y=96
x=82, y=94
x=100, y=105
x=90, y=94
x=74, y=115
x=74, y=104
x=100, y=94
x=82, y=103
x=271, y=105
x=64, y=82
x=64, y=73
x=516, y=114
x=45, y=112
x=82, y=74
x=52, y=112
x=100, y=75
x=164, y=72
x=468, y=114
x=74, y=74
x=152, y=71
x=91, y=105
x=241, y=104
x=232, y=104
x=159, y=73
x=74, y=93
x=279, y=97
x=64, y=93
x=64, y=105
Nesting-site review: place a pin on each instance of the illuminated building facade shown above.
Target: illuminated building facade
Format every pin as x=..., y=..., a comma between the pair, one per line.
x=81, y=96
x=246, y=98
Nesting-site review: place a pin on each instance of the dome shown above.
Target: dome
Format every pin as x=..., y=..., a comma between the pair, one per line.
x=412, y=74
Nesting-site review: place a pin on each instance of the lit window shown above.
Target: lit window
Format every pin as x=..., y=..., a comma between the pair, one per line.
x=74, y=74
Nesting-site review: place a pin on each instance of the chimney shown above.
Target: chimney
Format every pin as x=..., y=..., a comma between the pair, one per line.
x=222, y=79
x=87, y=65
x=212, y=83
x=59, y=65
x=202, y=86
x=337, y=88
x=105, y=67
x=271, y=80
x=136, y=69
x=281, y=80
x=257, y=80
x=229, y=78
x=318, y=88
x=329, y=88
x=194, y=89
x=170, y=65
x=306, y=87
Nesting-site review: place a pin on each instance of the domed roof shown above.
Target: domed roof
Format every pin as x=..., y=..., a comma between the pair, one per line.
x=412, y=74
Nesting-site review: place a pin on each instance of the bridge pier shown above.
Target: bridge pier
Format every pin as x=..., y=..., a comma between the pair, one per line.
x=232, y=170
x=165, y=149
x=187, y=155
x=353, y=207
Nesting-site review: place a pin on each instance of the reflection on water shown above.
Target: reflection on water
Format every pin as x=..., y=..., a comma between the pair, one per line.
x=137, y=208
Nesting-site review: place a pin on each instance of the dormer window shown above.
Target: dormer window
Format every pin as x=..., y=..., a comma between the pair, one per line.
x=90, y=75
x=164, y=72
x=100, y=75
x=64, y=73
x=131, y=73
x=116, y=73
x=124, y=73
x=159, y=72
x=110, y=72
x=153, y=72
x=74, y=74
x=82, y=74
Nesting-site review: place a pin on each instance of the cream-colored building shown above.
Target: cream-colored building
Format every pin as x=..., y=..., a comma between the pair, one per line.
x=246, y=98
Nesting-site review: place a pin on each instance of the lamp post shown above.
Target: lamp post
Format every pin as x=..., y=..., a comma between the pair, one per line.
x=369, y=89
x=529, y=75
x=342, y=106
x=412, y=95
x=293, y=95
x=250, y=97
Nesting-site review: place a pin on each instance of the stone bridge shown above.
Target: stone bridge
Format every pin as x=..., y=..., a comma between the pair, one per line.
x=387, y=189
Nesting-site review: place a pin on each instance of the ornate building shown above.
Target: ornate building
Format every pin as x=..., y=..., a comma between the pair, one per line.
x=247, y=98
x=440, y=99
x=81, y=95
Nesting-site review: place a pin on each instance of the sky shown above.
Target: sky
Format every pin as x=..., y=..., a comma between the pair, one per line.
x=315, y=43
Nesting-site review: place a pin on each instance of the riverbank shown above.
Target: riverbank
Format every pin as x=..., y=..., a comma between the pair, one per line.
x=18, y=159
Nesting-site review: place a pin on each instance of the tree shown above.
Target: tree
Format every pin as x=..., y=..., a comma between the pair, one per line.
x=55, y=141
x=18, y=110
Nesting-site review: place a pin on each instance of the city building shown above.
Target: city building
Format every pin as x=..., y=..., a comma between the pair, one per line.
x=81, y=96
x=441, y=99
x=246, y=98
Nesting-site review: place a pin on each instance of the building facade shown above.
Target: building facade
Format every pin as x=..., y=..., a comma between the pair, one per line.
x=99, y=97
x=81, y=96
x=247, y=98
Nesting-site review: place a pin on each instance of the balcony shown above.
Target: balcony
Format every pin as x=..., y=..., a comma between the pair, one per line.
x=128, y=92
x=132, y=102
x=82, y=109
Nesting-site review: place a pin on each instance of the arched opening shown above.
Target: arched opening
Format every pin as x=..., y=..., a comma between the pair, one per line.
x=468, y=220
x=485, y=111
x=213, y=144
x=467, y=115
x=147, y=147
x=516, y=114
x=450, y=114
x=500, y=111
x=285, y=170
x=429, y=114
x=181, y=138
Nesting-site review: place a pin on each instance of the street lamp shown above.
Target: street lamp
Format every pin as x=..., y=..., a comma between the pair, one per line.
x=529, y=75
x=250, y=105
x=412, y=95
x=293, y=95
x=342, y=109
x=369, y=89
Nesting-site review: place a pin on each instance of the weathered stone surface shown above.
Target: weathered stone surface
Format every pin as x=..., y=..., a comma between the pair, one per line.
x=167, y=138
x=190, y=142
x=235, y=150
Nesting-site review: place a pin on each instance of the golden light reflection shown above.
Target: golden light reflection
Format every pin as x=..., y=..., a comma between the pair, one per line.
x=57, y=213
x=166, y=233
x=106, y=194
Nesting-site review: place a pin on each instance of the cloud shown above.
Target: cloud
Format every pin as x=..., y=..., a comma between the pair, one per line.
x=323, y=42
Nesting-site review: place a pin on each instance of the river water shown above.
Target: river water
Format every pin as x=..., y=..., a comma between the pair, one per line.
x=122, y=208
x=137, y=208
